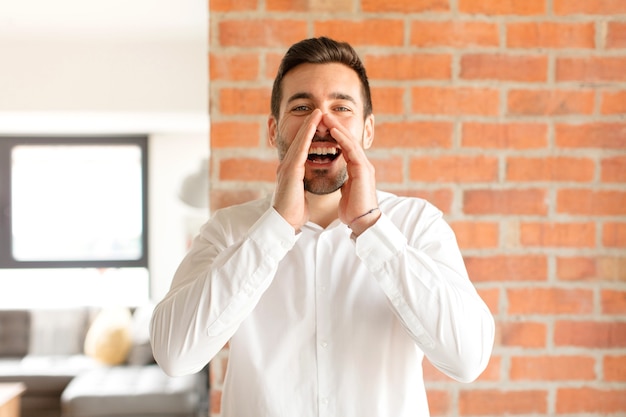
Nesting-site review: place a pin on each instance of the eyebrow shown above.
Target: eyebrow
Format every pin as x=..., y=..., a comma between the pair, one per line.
x=337, y=96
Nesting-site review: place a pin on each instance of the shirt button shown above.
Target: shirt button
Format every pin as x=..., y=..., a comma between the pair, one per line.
x=324, y=344
x=324, y=401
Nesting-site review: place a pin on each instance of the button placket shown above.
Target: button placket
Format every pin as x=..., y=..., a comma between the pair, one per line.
x=323, y=267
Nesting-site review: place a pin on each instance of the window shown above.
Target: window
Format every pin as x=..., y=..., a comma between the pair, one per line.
x=77, y=202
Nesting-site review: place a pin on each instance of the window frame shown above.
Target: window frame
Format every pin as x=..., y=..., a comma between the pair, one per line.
x=7, y=143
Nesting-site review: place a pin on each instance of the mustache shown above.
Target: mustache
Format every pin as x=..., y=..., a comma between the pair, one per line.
x=327, y=138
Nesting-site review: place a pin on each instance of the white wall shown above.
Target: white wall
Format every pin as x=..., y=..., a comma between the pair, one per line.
x=94, y=67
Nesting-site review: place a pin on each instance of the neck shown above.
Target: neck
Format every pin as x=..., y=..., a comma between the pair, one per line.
x=323, y=209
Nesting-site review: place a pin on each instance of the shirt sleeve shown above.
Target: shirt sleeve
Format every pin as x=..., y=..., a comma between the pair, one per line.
x=217, y=285
x=425, y=280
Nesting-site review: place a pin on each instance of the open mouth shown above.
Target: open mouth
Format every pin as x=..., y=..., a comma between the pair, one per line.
x=323, y=154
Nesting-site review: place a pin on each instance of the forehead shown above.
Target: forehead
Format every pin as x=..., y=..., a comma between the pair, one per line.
x=322, y=81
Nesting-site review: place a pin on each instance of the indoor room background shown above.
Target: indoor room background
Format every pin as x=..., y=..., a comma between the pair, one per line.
x=508, y=115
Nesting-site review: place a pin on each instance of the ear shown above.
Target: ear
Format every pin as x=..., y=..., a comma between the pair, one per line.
x=368, y=132
x=272, y=128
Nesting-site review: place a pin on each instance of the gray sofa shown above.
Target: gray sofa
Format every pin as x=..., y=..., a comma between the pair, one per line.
x=46, y=350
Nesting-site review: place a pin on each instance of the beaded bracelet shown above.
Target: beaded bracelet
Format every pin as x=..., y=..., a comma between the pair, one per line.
x=362, y=215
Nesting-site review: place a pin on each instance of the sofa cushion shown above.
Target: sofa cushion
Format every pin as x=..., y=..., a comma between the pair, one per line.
x=44, y=374
x=14, y=333
x=131, y=391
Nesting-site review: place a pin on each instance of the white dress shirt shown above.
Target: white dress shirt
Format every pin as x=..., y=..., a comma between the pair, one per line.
x=321, y=323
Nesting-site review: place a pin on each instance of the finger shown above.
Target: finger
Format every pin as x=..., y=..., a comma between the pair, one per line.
x=351, y=147
x=299, y=148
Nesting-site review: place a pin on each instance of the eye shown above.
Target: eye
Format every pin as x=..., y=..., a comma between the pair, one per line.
x=300, y=108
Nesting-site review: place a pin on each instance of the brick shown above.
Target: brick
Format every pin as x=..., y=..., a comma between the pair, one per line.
x=216, y=401
x=591, y=68
x=593, y=135
x=590, y=334
x=440, y=198
x=404, y=6
x=600, y=268
x=232, y=5
x=454, y=169
x=591, y=202
x=390, y=169
x=247, y=169
x=608, y=7
x=501, y=67
x=226, y=198
x=455, y=101
x=616, y=35
x=504, y=135
x=553, y=368
x=491, y=297
x=272, y=62
x=613, y=169
x=550, y=35
x=512, y=268
x=235, y=134
x=614, y=368
x=261, y=32
x=575, y=268
x=409, y=66
x=524, y=334
x=478, y=402
x=218, y=368
x=244, y=101
x=550, y=301
x=507, y=202
x=613, y=102
x=614, y=234
x=334, y=6
x=558, y=168
x=562, y=235
x=430, y=134
x=500, y=7
x=439, y=402
x=476, y=235
x=591, y=400
x=380, y=32
x=493, y=370
x=388, y=100
x=458, y=34
x=611, y=268
x=236, y=67
x=550, y=102
x=613, y=302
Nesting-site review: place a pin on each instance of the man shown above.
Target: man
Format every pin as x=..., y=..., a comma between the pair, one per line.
x=329, y=291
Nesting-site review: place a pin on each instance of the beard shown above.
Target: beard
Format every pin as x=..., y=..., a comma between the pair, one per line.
x=320, y=182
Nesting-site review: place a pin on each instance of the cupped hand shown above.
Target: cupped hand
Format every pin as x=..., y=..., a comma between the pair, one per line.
x=289, y=196
x=358, y=194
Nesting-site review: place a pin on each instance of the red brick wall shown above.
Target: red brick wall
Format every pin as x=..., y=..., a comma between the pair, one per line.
x=510, y=115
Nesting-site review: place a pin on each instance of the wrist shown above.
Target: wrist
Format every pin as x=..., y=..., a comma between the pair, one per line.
x=364, y=221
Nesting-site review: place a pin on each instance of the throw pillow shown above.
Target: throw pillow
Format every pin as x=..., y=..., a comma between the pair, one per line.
x=109, y=339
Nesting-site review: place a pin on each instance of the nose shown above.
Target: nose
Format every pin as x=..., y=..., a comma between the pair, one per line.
x=322, y=130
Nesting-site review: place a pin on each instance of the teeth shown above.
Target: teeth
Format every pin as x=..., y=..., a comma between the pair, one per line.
x=323, y=151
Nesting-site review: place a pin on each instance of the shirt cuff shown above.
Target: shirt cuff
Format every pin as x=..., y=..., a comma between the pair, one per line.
x=272, y=233
x=380, y=243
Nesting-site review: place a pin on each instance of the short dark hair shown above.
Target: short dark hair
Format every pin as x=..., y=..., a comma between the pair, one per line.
x=320, y=50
